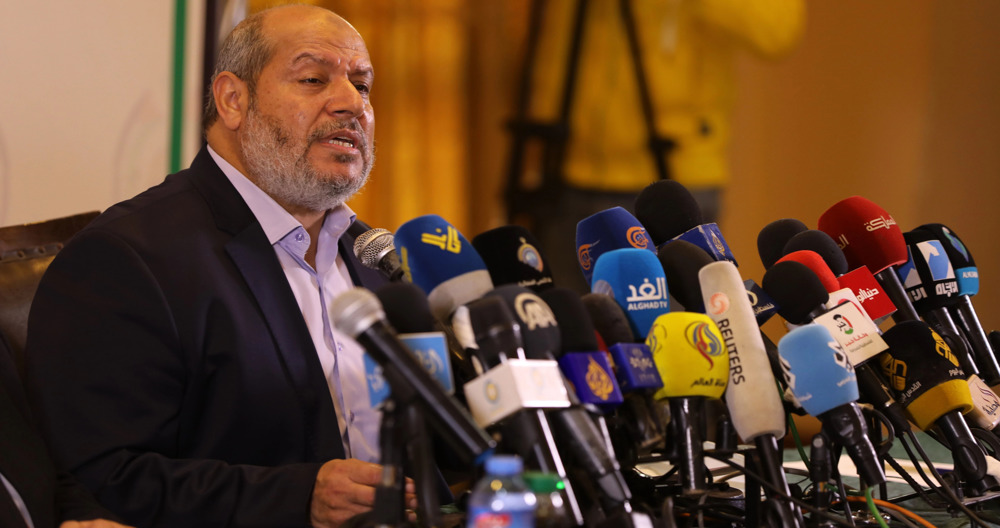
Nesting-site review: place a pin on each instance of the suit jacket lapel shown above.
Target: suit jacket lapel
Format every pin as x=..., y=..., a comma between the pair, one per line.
x=264, y=276
x=255, y=259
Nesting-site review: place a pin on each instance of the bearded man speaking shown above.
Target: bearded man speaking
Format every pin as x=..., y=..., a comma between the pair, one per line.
x=180, y=356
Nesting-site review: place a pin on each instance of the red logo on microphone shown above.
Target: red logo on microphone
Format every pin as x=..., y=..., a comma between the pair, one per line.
x=718, y=303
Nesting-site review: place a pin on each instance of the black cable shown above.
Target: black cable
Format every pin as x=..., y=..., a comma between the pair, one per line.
x=899, y=517
x=989, y=438
x=920, y=470
x=781, y=494
x=914, y=484
x=953, y=498
x=843, y=493
x=881, y=450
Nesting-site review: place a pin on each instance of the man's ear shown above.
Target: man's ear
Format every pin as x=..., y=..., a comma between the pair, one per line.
x=231, y=99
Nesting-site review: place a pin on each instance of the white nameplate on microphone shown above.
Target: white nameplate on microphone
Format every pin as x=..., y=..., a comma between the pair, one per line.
x=514, y=385
x=985, y=411
x=854, y=332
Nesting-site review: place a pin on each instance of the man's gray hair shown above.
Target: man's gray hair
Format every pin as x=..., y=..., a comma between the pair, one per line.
x=244, y=53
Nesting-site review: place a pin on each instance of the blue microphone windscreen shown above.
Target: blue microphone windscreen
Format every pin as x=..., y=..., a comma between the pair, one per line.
x=438, y=259
x=709, y=238
x=968, y=280
x=636, y=281
x=605, y=231
x=635, y=367
x=817, y=369
x=592, y=378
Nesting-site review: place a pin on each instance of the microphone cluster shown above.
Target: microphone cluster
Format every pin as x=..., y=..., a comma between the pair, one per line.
x=627, y=391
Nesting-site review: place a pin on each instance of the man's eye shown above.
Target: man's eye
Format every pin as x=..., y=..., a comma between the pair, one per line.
x=311, y=80
x=363, y=88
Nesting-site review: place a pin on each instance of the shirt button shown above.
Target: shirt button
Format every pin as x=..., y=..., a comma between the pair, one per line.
x=300, y=237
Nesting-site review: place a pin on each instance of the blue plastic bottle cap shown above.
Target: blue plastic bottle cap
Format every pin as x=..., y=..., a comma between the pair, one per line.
x=504, y=465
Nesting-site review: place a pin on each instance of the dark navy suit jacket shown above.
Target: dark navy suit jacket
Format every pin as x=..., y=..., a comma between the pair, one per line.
x=49, y=497
x=170, y=367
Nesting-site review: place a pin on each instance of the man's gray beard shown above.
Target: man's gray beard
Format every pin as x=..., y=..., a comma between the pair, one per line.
x=289, y=178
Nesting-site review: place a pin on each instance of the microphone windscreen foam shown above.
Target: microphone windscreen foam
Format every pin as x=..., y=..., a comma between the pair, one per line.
x=817, y=264
x=681, y=260
x=512, y=256
x=753, y=402
x=690, y=355
x=634, y=366
x=928, y=275
x=960, y=257
x=824, y=246
x=924, y=373
x=868, y=235
x=796, y=290
x=486, y=328
x=772, y=239
x=605, y=231
x=539, y=328
x=406, y=308
x=576, y=330
x=959, y=254
x=816, y=369
x=438, y=259
x=408, y=312
x=667, y=209
x=635, y=279
x=609, y=319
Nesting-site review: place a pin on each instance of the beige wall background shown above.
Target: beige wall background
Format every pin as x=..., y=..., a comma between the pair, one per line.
x=85, y=104
x=896, y=101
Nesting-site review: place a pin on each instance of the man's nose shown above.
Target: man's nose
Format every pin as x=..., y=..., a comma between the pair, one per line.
x=344, y=99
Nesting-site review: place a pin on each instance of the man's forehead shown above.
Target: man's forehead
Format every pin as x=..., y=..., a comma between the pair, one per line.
x=296, y=27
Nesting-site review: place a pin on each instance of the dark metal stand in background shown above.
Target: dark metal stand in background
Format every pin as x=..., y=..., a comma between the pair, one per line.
x=528, y=205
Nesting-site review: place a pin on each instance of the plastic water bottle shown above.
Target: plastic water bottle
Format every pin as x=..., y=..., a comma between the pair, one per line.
x=501, y=499
x=550, y=510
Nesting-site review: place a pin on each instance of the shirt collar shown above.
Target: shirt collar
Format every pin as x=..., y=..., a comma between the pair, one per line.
x=273, y=218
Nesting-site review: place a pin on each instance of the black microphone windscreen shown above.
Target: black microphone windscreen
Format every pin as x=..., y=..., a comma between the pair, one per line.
x=406, y=307
x=576, y=330
x=512, y=256
x=609, y=319
x=666, y=209
x=821, y=243
x=681, y=261
x=772, y=239
x=539, y=329
x=496, y=333
x=795, y=289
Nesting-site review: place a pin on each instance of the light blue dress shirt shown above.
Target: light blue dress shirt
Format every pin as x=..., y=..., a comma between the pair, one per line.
x=341, y=357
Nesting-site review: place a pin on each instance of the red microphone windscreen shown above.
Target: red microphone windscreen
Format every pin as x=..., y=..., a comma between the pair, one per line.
x=815, y=262
x=868, y=234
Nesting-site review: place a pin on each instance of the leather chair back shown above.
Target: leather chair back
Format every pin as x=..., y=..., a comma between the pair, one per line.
x=25, y=252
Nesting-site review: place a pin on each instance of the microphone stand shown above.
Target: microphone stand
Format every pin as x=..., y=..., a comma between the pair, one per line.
x=771, y=469
x=403, y=433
